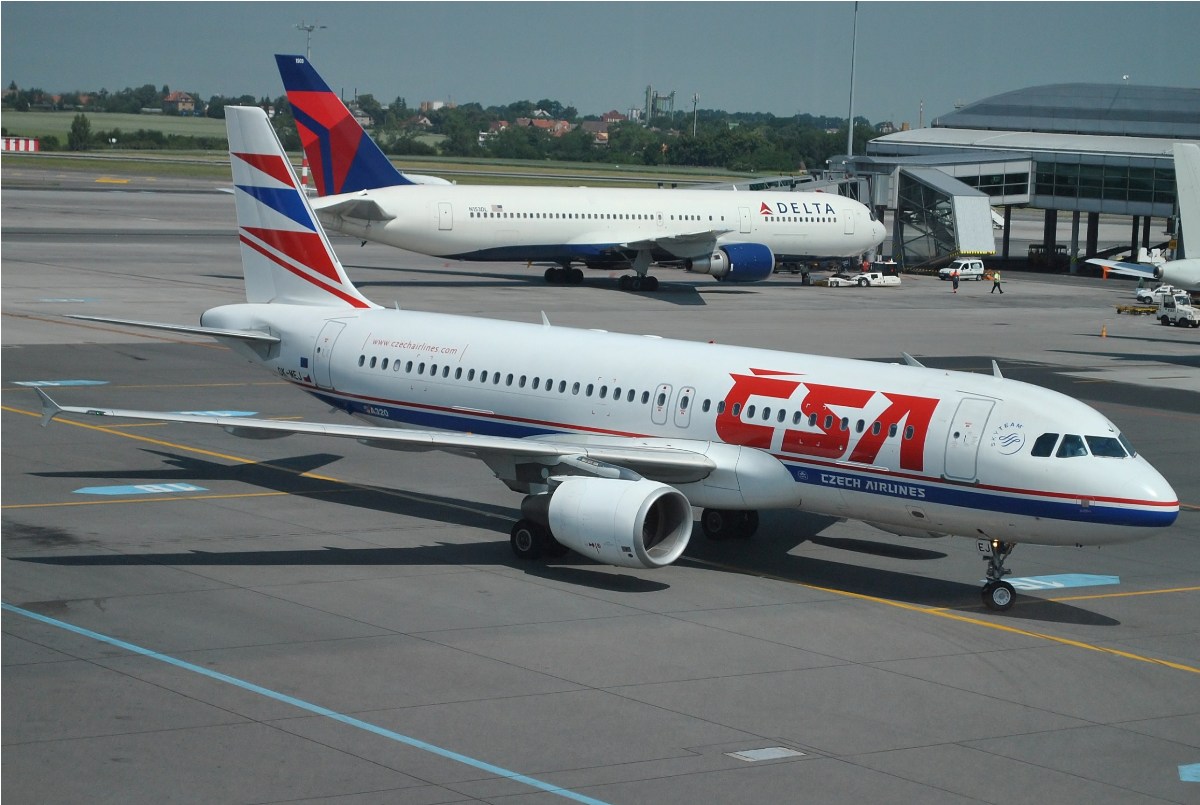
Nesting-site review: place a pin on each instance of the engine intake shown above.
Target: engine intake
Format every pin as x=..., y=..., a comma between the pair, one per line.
x=735, y=262
x=638, y=523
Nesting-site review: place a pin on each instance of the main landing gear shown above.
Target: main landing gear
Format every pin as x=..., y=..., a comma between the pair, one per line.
x=564, y=275
x=531, y=541
x=997, y=594
x=636, y=282
x=728, y=523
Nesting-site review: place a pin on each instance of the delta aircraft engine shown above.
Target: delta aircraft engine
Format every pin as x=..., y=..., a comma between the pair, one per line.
x=735, y=262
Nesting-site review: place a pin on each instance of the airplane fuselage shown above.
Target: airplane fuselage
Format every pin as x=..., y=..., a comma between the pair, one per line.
x=914, y=450
x=589, y=224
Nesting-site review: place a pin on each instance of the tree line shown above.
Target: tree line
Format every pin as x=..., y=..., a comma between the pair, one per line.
x=738, y=141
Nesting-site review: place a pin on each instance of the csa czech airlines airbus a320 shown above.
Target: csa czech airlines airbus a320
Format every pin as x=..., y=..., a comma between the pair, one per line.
x=734, y=236
x=612, y=454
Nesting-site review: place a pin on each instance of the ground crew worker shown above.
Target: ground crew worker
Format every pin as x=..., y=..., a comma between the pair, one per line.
x=954, y=279
x=996, y=283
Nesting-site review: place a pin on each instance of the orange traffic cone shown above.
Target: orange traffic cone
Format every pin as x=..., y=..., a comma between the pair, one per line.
x=1104, y=331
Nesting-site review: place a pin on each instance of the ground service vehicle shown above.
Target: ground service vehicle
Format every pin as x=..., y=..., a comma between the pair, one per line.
x=967, y=268
x=862, y=280
x=1178, y=310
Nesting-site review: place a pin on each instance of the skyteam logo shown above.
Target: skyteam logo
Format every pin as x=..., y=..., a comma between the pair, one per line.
x=796, y=208
x=1009, y=438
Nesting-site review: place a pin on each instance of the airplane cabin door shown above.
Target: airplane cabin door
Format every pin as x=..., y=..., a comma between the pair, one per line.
x=744, y=215
x=323, y=352
x=445, y=216
x=848, y=215
x=962, y=441
x=659, y=405
x=683, y=407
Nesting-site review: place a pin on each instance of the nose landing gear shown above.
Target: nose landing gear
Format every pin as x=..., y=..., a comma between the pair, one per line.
x=997, y=594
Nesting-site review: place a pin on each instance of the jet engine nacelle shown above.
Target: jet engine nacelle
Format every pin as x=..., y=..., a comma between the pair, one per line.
x=638, y=523
x=735, y=262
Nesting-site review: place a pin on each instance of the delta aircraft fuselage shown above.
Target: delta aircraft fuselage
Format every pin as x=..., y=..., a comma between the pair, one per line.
x=590, y=224
x=914, y=450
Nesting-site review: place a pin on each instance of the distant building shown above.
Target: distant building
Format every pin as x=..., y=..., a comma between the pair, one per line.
x=179, y=103
x=614, y=117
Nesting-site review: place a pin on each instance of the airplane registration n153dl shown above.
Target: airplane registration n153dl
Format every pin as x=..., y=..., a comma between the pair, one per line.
x=733, y=236
x=612, y=453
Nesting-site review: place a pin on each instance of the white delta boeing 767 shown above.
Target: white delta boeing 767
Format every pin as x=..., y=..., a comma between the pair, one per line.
x=733, y=236
x=612, y=453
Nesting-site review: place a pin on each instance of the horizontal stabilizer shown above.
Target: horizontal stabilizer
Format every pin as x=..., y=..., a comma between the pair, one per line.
x=361, y=209
x=252, y=336
x=1129, y=269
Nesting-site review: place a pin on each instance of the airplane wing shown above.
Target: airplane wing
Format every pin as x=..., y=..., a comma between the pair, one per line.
x=362, y=209
x=685, y=244
x=1129, y=269
x=655, y=459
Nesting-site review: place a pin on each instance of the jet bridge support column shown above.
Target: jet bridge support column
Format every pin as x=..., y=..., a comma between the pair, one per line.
x=1146, y=232
x=1050, y=231
x=1075, y=242
x=1093, y=233
x=1133, y=238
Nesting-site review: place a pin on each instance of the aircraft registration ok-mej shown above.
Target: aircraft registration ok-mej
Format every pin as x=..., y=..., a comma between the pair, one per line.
x=1184, y=273
x=733, y=236
x=612, y=454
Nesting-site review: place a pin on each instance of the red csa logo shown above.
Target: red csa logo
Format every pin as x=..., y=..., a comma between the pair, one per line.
x=829, y=439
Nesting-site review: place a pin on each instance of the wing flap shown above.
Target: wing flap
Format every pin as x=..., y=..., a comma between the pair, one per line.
x=360, y=209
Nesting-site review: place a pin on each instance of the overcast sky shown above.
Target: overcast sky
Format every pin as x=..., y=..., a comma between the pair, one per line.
x=779, y=57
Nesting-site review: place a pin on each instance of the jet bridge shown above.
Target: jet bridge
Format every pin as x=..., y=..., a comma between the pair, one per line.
x=938, y=218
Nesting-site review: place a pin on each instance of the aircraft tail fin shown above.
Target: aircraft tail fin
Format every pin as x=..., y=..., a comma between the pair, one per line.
x=286, y=257
x=1187, y=188
x=343, y=159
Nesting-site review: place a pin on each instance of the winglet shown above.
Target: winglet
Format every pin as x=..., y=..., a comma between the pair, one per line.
x=911, y=361
x=996, y=369
x=50, y=408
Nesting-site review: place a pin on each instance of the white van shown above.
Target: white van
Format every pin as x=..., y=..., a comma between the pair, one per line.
x=968, y=269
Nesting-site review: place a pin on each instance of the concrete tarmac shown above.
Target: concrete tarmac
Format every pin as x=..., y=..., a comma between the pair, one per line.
x=194, y=617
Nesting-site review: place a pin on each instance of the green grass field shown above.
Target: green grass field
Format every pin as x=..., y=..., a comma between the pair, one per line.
x=171, y=163
x=41, y=124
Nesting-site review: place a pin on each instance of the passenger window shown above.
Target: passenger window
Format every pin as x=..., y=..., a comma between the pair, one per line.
x=433, y=370
x=858, y=426
x=408, y=367
x=630, y=395
x=445, y=371
x=796, y=417
x=470, y=374
x=645, y=397
x=812, y=420
x=909, y=432
x=845, y=423
x=704, y=406
x=575, y=389
x=384, y=365
x=508, y=380
x=521, y=382
x=536, y=382
x=458, y=373
x=720, y=406
x=562, y=387
x=421, y=369
x=782, y=415
x=828, y=421
x=362, y=359
x=589, y=389
x=737, y=409
x=875, y=428
x=483, y=376
x=749, y=411
x=1044, y=445
x=683, y=402
x=603, y=392
x=662, y=400
x=372, y=361
x=1071, y=447
x=892, y=430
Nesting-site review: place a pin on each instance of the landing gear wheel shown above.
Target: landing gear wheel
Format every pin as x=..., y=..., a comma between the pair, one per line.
x=552, y=548
x=998, y=595
x=623, y=282
x=527, y=540
x=575, y=276
x=553, y=275
x=719, y=524
x=651, y=283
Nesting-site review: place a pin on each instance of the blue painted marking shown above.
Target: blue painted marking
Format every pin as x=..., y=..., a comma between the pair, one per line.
x=37, y=383
x=1062, y=580
x=1190, y=773
x=66, y=300
x=140, y=489
x=416, y=743
x=217, y=413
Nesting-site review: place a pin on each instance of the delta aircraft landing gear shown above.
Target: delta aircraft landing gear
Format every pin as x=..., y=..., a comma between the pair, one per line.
x=997, y=594
x=639, y=281
x=563, y=275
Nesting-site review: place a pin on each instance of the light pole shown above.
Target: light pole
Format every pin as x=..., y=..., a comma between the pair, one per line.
x=308, y=32
x=695, y=102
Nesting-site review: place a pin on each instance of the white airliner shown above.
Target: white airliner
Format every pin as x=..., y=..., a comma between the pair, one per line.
x=734, y=236
x=612, y=453
x=1180, y=273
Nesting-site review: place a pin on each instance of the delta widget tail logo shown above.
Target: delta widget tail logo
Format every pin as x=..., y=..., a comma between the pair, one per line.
x=343, y=159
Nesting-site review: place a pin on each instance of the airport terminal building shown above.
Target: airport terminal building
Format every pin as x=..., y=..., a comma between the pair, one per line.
x=1069, y=149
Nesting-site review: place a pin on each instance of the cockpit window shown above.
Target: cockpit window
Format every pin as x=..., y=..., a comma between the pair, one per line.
x=1044, y=445
x=1105, y=447
x=1071, y=447
x=1127, y=445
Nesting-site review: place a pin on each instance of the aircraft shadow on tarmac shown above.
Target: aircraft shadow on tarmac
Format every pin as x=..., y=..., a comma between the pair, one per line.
x=768, y=553
x=677, y=293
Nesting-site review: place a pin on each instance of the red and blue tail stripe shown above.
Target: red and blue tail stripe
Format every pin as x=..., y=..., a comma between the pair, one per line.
x=343, y=159
x=285, y=254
